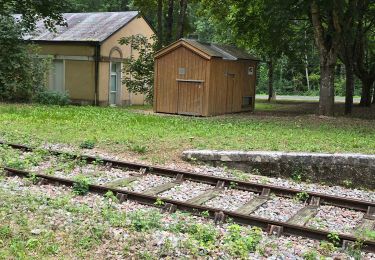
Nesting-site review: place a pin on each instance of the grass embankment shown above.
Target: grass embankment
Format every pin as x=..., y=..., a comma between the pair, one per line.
x=159, y=138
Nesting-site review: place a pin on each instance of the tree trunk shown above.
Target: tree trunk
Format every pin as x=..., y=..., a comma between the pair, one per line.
x=349, y=91
x=270, y=80
x=327, y=91
x=366, y=93
x=160, y=24
x=328, y=51
x=181, y=22
x=169, y=21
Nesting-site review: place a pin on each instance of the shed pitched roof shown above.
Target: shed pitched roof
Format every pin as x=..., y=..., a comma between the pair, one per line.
x=226, y=52
x=83, y=27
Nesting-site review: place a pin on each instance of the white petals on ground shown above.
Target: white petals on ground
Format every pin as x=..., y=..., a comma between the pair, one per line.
x=278, y=209
x=336, y=219
x=230, y=199
x=185, y=191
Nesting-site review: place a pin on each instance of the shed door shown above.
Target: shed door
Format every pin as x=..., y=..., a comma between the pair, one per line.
x=189, y=98
x=230, y=92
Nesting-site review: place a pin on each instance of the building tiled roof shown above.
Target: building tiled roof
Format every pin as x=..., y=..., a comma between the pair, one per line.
x=226, y=52
x=83, y=27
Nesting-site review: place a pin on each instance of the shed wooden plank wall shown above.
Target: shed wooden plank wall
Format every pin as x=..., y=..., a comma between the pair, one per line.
x=167, y=73
x=242, y=84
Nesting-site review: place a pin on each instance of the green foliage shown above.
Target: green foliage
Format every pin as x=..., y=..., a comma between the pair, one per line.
x=47, y=97
x=87, y=144
x=311, y=255
x=33, y=178
x=204, y=235
x=326, y=248
x=302, y=196
x=241, y=241
x=5, y=232
x=159, y=202
x=233, y=185
x=138, y=148
x=22, y=71
x=81, y=185
x=334, y=238
x=355, y=250
x=144, y=221
x=139, y=68
x=205, y=214
x=34, y=10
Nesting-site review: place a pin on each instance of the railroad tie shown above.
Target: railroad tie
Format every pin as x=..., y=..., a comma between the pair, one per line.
x=164, y=187
x=306, y=213
x=255, y=203
x=367, y=223
x=207, y=195
x=122, y=182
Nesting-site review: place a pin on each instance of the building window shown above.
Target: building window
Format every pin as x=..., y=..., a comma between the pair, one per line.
x=114, y=83
x=57, y=76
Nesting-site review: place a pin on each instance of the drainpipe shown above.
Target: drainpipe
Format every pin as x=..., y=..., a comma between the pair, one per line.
x=131, y=55
x=97, y=60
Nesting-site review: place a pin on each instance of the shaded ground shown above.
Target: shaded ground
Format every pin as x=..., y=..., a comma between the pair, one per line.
x=303, y=98
x=299, y=108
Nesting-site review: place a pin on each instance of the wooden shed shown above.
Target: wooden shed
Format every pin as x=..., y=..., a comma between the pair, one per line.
x=203, y=79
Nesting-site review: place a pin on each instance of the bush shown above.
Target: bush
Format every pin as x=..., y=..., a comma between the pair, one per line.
x=81, y=185
x=87, y=144
x=47, y=97
x=22, y=71
x=139, y=71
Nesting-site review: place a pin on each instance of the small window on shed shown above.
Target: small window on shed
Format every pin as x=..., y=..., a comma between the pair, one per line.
x=247, y=102
x=181, y=71
x=250, y=71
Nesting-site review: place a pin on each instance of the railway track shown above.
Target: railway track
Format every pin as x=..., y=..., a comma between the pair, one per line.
x=295, y=225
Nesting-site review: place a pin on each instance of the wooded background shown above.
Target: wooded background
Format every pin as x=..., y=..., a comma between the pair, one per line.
x=314, y=47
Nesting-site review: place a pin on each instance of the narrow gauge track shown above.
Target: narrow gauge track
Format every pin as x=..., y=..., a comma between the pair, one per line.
x=294, y=226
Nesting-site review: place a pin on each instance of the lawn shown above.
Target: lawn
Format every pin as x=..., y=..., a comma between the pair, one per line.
x=161, y=138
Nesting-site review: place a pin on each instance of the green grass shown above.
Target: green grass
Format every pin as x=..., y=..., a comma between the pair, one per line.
x=164, y=137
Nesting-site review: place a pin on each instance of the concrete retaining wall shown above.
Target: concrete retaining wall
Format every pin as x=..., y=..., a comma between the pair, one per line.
x=357, y=170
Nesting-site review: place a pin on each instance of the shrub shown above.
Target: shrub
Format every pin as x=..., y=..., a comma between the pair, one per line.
x=87, y=144
x=139, y=71
x=81, y=185
x=240, y=241
x=47, y=97
x=22, y=71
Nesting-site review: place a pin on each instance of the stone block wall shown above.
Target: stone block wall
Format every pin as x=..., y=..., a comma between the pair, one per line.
x=356, y=170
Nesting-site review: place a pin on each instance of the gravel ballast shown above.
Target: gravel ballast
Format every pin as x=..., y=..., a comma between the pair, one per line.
x=186, y=191
x=336, y=219
x=65, y=221
x=230, y=199
x=278, y=209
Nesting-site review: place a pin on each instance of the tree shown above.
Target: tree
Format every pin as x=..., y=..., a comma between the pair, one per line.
x=169, y=22
x=364, y=51
x=257, y=26
x=139, y=68
x=160, y=24
x=34, y=10
x=181, y=21
x=327, y=30
x=22, y=73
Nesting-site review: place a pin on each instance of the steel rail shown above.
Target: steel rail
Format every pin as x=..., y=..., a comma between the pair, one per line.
x=265, y=224
x=325, y=199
